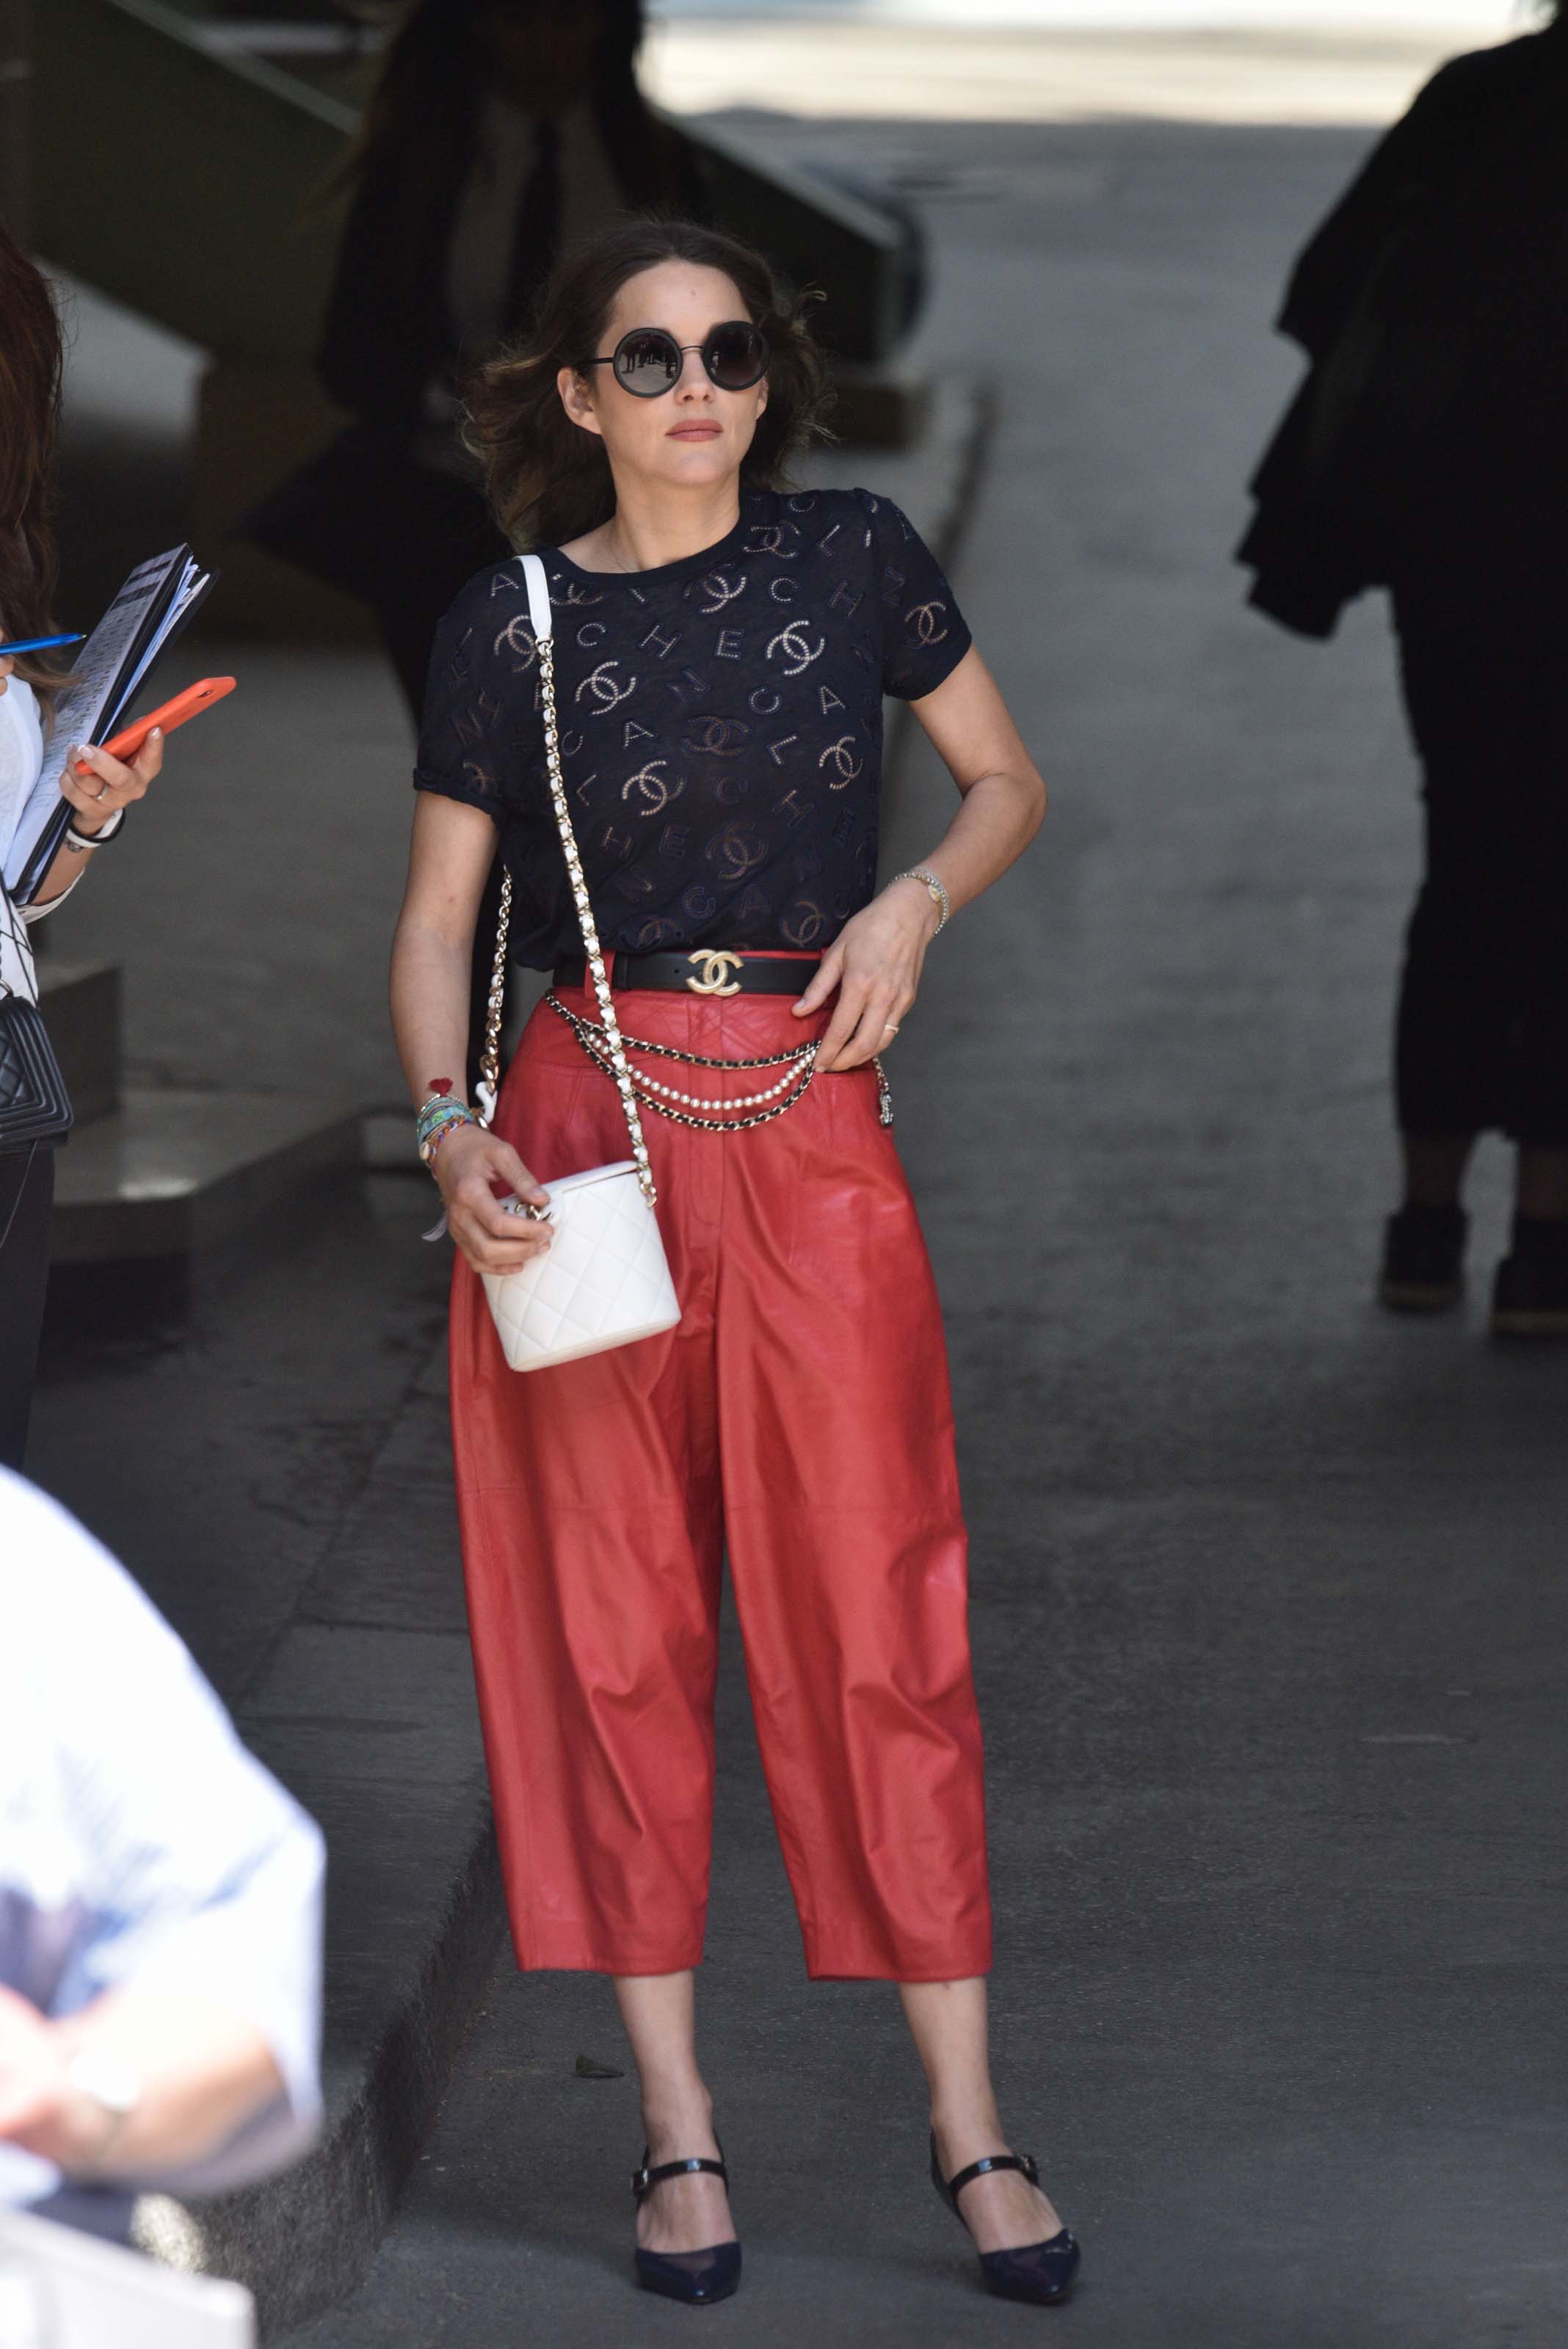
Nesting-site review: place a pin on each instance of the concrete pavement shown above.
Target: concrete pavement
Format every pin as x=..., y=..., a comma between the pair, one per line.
x=1270, y=1616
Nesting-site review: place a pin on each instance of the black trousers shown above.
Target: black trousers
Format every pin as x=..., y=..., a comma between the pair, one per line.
x=27, y=1196
x=1481, y=1033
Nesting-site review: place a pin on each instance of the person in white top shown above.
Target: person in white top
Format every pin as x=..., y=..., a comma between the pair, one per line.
x=160, y=1902
x=31, y=360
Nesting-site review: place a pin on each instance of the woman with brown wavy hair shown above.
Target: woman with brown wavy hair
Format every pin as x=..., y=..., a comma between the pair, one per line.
x=723, y=647
x=31, y=365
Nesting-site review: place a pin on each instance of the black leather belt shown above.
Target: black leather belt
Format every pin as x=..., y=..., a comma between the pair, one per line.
x=711, y=970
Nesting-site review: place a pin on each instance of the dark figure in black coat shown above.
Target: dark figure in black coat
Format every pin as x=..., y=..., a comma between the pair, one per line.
x=498, y=129
x=1428, y=451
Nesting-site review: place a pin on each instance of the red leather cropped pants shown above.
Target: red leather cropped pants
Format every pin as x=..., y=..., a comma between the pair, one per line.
x=799, y=1416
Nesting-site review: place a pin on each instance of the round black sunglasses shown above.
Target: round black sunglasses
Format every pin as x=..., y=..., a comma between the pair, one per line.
x=648, y=361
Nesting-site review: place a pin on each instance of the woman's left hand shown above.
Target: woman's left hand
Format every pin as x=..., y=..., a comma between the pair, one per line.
x=111, y=785
x=874, y=963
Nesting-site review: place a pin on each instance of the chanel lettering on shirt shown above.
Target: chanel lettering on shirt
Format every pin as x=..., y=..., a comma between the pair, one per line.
x=720, y=725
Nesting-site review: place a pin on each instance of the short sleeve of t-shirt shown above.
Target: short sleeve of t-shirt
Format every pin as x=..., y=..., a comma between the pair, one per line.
x=924, y=634
x=479, y=691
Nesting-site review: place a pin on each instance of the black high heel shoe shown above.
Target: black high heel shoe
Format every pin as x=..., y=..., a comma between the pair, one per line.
x=695, y=2277
x=1042, y=2273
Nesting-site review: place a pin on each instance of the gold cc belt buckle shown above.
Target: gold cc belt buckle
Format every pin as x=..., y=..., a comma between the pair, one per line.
x=715, y=963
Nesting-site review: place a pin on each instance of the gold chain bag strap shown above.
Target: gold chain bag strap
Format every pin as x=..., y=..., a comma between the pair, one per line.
x=604, y=1280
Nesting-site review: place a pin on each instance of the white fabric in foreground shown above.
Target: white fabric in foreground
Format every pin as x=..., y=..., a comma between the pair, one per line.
x=139, y=1840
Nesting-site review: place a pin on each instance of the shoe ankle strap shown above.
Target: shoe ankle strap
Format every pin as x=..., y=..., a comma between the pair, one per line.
x=643, y=2180
x=994, y=2161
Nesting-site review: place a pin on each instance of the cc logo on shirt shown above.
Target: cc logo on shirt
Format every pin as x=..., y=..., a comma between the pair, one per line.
x=847, y=766
x=710, y=736
x=716, y=963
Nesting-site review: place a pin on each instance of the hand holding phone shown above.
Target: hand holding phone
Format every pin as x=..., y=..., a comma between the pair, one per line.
x=189, y=704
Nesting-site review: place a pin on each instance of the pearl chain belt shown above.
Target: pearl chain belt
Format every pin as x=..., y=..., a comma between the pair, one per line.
x=707, y=1112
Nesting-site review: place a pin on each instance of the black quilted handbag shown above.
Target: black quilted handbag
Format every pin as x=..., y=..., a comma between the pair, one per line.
x=35, y=1106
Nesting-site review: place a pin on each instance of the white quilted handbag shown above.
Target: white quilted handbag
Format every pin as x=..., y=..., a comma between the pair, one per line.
x=604, y=1281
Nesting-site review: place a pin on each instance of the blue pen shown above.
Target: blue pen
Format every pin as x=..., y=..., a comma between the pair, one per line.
x=38, y=645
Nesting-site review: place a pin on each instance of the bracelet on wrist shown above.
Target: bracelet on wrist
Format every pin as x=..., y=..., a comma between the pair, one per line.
x=432, y=1142
x=78, y=841
x=934, y=890
x=425, y=1134
x=439, y=1105
x=428, y=1149
x=437, y=1118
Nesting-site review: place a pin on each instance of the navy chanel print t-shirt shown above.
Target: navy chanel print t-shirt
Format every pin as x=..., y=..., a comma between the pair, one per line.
x=720, y=725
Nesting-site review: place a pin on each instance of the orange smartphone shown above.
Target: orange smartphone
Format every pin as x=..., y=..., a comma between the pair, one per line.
x=189, y=704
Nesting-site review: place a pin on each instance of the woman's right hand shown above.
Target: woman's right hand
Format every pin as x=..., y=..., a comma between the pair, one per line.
x=469, y=1162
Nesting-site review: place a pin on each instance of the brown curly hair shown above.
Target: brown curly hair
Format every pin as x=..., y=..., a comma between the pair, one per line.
x=549, y=480
x=31, y=361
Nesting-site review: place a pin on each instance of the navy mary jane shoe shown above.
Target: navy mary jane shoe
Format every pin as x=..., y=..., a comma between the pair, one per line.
x=1040, y=2272
x=695, y=2277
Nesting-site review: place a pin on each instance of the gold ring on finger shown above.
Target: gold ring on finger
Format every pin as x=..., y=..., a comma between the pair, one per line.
x=891, y=1029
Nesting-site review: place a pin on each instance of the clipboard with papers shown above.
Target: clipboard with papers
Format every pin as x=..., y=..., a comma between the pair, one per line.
x=155, y=603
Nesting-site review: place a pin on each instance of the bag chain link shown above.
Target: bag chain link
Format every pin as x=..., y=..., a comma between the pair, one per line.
x=615, y=1051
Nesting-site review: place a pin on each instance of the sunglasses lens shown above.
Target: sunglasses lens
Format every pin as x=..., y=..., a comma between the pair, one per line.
x=736, y=356
x=647, y=362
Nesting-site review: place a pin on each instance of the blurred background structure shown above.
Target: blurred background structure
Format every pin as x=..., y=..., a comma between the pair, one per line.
x=1270, y=1620
x=204, y=204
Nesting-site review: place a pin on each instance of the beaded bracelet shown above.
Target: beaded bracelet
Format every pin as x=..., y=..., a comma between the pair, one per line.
x=428, y=1149
x=436, y=1119
x=434, y=1102
x=430, y=1113
x=431, y=1122
x=934, y=890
